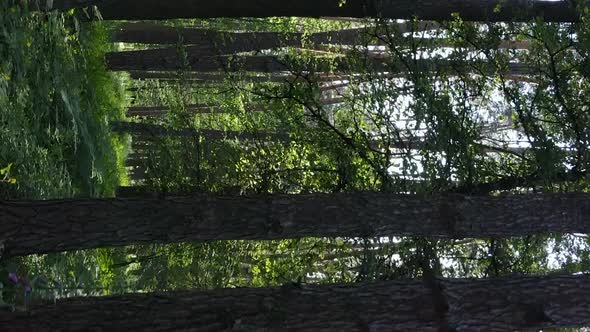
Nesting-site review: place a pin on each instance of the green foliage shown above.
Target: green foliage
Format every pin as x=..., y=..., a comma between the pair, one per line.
x=56, y=99
x=275, y=24
x=188, y=266
x=438, y=128
x=458, y=104
x=5, y=174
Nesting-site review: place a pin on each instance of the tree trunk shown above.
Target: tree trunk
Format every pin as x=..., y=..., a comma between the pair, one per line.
x=47, y=226
x=151, y=111
x=168, y=60
x=140, y=129
x=214, y=42
x=153, y=130
x=163, y=110
x=431, y=10
x=506, y=304
x=173, y=76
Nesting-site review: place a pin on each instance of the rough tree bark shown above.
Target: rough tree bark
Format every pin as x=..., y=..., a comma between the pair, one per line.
x=48, y=226
x=507, y=304
x=469, y=10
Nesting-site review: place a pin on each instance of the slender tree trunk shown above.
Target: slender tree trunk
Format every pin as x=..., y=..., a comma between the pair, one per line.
x=163, y=110
x=203, y=76
x=153, y=130
x=133, y=191
x=507, y=304
x=468, y=10
x=214, y=42
x=219, y=77
x=217, y=42
x=47, y=226
x=172, y=76
x=137, y=173
x=150, y=111
x=527, y=181
x=433, y=43
x=135, y=162
x=140, y=129
x=168, y=60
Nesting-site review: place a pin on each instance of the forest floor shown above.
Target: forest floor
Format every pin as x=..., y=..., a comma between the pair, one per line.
x=56, y=102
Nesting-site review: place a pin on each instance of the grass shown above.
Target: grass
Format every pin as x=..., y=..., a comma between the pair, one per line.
x=56, y=102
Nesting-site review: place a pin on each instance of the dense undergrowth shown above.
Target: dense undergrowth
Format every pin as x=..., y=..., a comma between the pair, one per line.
x=56, y=101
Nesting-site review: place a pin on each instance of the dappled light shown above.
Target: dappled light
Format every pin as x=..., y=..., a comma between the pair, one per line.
x=336, y=165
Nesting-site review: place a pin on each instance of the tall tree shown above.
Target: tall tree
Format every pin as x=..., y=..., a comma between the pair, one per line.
x=214, y=42
x=169, y=60
x=153, y=130
x=46, y=226
x=163, y=110
x=443, y=305
x=469, y=10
